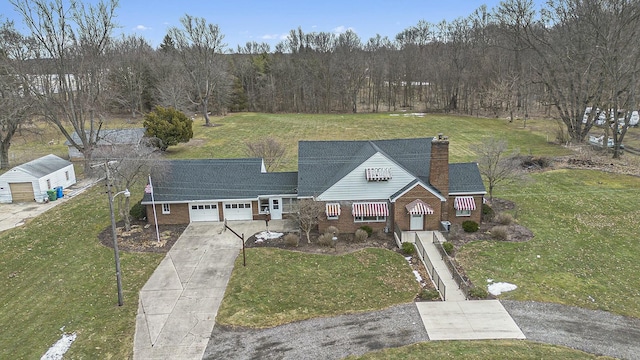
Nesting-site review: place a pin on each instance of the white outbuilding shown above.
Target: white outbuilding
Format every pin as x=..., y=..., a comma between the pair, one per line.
x=30, y=182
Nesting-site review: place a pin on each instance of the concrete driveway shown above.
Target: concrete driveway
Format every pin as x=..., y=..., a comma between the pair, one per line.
x=179, y=303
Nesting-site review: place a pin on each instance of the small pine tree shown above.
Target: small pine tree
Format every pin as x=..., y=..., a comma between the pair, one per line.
x=169, y=126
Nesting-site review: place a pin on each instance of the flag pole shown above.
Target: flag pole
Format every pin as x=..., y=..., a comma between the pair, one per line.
x=153, y=205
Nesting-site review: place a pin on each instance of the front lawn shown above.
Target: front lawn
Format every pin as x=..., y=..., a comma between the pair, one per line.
x=280, y=286
x=55, y=277
x=585, y=251
x=479, y=349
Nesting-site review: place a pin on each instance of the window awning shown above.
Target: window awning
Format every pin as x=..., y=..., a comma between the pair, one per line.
x=464, y=203
x=378, y=174
x=370, y=209
x=419, y=207
x=332, y=209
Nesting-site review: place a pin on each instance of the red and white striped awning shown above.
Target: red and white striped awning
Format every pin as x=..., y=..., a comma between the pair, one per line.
x=332, y=209
x=378, y=174
x=464, y=203
x=370, y=209
x=419, y=207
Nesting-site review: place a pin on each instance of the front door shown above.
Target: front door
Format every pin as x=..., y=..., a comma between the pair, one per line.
x=275, y=208
x=417, y=222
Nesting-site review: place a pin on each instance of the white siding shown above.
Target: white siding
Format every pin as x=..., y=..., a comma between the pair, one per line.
x=58, y=178
x=354, y=186
x=13, y=176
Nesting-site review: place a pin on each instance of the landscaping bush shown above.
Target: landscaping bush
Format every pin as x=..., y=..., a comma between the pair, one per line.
x=360, y=236
x=478, y=293
x=503, y=218
x=368, y=229
x=470, y=226
x=332, y=230
x=429, y=294
x=292, y=240
x=487, y=212
x=138, y=211
x=408, y=248
x=448, y=247
x=325, y=240
x=500, y=233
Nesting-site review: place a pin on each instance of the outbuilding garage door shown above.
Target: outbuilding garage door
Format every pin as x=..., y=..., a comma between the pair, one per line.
x=238, y=211
x=203, y=212
x=21, y=192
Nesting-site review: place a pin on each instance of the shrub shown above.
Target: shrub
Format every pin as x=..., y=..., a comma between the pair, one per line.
x=500, y=233
x=478, y=293
x=429, y=294
x=408, y=248
x=470, y=226
x=503, y=218
x=448, y=247
x=138, y=211
x=332, y=230
x=368, y=229
x=361, y=235
x=291, y=240
x=325, y=240
x=487, y=212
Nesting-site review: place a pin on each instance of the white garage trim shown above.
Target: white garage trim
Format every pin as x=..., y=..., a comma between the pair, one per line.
x=203, y=212
x=237, y=210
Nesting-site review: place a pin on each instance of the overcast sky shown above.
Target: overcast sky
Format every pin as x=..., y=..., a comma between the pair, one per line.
x=270, y=21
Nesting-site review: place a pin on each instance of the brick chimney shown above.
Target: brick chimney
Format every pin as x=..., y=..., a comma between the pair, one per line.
x=439, y=164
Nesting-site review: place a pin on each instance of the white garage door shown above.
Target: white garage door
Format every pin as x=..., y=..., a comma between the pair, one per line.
x=238, y=211
x=203, y=212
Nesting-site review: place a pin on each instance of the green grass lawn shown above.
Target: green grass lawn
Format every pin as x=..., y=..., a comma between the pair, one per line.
x=54, y=273
x=474, y=350
x=228, y=140
x=586, y=237
x=280, y=286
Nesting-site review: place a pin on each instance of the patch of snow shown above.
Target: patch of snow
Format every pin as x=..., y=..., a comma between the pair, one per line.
x=489, y=281
x=57, y=351
x=268, y=235
x=408, y=258
x=498, y=288
x=418, y=277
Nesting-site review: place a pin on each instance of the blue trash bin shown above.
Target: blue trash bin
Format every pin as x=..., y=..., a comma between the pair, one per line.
x=59, y=192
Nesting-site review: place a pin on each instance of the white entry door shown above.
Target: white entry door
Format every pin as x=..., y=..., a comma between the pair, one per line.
x=275, y=208
x=417, y=222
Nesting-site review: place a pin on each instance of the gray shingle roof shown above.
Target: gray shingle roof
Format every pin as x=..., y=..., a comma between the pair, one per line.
x=219, y=179
x=114, y=136
x=465, y=178
x=322, y=163
x=44, y=165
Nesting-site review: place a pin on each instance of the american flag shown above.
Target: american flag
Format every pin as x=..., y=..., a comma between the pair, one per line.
x=148, y=189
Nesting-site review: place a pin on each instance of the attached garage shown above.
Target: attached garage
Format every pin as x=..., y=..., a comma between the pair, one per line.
x=30, y=181
x=238, y=211
x=203, y=212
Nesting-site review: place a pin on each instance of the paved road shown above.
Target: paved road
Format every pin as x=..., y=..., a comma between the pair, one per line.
x=592, y=331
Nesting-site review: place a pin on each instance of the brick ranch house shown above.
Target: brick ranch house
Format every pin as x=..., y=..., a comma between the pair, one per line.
x=407, y=183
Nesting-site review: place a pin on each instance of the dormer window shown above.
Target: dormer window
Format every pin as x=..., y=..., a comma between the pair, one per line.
x=378, y=174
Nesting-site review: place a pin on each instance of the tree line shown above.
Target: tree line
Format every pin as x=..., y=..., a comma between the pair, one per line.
x=514, y=60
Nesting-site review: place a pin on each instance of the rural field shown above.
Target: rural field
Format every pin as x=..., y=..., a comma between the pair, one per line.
x=56, y=274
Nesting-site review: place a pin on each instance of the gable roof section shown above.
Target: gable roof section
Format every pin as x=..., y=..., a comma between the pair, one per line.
x=322, y=163
x=114, y=137
x=464, y=178
x=414, y=183
x=219, y=179
x=43, y=166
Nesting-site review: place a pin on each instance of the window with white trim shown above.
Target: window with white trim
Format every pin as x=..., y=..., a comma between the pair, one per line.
x=264, y=205
x=166, y=208
x=377, y=174
x=289, y=205
x=370, y=212
x=376, y=218
x=463, y=213
x=332, y=210
x=66, y=175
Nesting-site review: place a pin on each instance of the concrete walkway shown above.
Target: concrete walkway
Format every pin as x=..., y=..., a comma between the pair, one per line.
x=179, y=303
x=453, y=292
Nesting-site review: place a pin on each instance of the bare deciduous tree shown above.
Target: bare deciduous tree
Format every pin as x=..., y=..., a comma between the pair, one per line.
x=496, y=165
x=269, y=149
x=67, y=86
x=306, y=215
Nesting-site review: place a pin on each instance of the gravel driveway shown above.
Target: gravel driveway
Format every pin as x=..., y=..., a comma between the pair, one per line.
x=321, y=338
x=592, y=331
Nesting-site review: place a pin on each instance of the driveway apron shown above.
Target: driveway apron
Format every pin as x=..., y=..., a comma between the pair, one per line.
x=179, y=302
